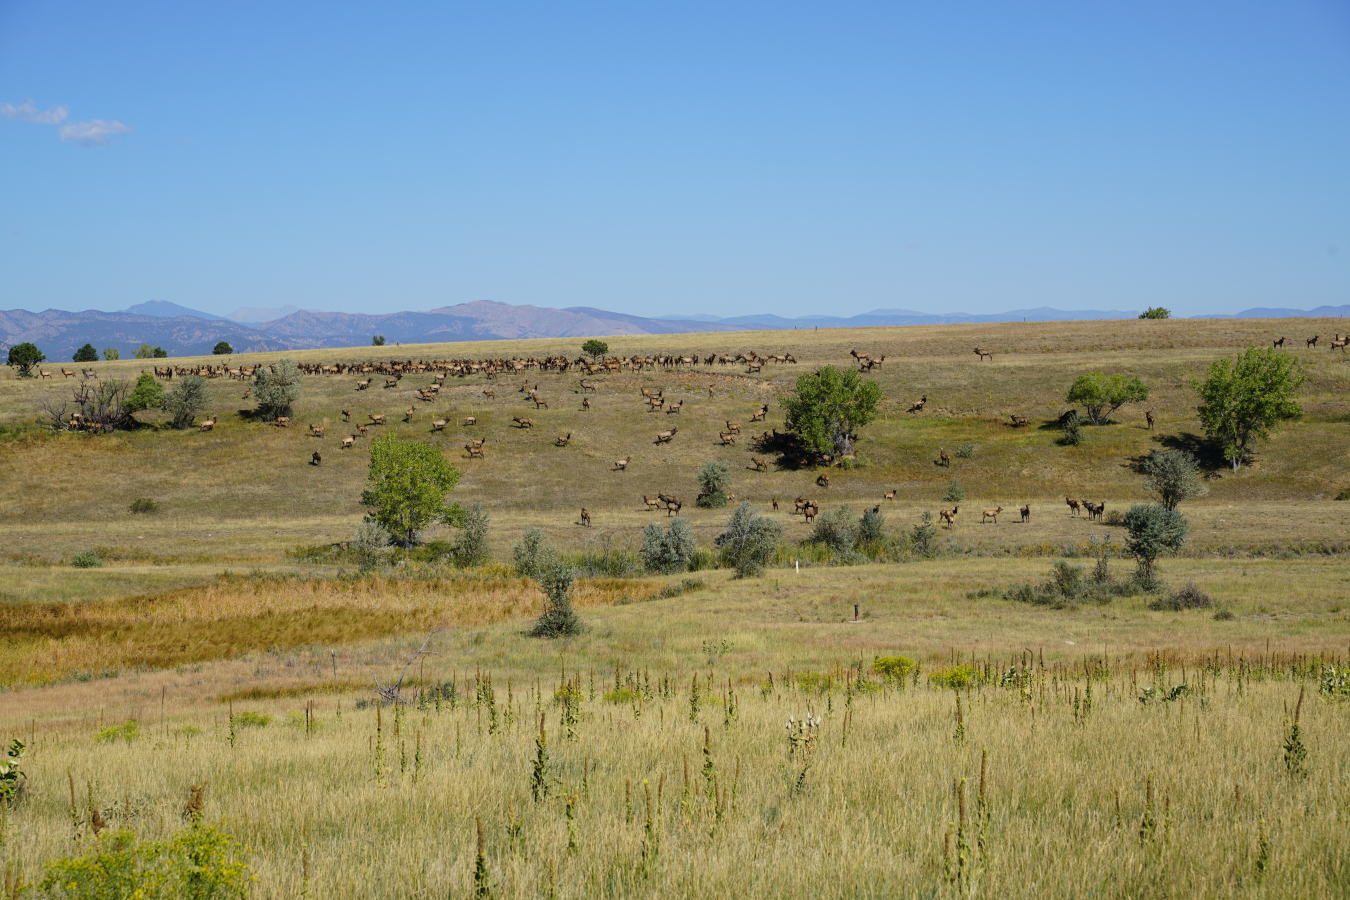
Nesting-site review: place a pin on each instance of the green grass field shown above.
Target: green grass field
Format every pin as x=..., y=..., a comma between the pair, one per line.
x=208, y=602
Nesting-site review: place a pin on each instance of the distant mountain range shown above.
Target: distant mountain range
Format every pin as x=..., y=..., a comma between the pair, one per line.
x=187, y=332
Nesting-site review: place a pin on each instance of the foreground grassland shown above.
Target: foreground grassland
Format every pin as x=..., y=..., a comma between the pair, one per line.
x=226, y=600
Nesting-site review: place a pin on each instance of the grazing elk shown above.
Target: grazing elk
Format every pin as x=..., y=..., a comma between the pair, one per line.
x=562, y=439
x=1019, y=421
x=823, y=480
x=1073, y=506
x=665, y=436
x=621, y=465
x=376, y=418
x=522, y=422
x=991, y=514
x=1026, y=512
x=917, y=405
x=316, y=459
x=888, y=495
x=949, y=515
x=944, y=458
x=438, y=425
x=470, y=421
x=1312, y=341
x=759, y=464
x=362, y=385
x=585, y=517
x=1149, y=416
x=348, y=442
x=983, y=353
x=1279, y=345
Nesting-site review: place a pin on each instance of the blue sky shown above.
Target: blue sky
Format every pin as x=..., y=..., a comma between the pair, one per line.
x=723, y=158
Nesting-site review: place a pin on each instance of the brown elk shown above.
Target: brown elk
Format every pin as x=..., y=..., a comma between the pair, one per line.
x=43, y=373
x=809, y=511
x=674, y=408
x=651, y=503
x=439, y=425
x=944, y=458
x=1279, y=345
x=1149, y=416
x=1073, y=506
x=562, y=439
x=664, y=437
x=1338, y=344
x=470, y=421
x=760, y=414
x=888, y=495
x=1019, y=421
x=392, y=382
x=949, y=515
x=1312, y=341
x=316, y=430
x=67, y=373
x=362, y=385
x=348, y=442
x=1026, y=512
x=247, y=392
x=917, y=405
x=983, y=353
x=991, y=514
x=734, y=427
x=585, y=402
x=585, y=517
x=408, y=414
x=727, y=437
x=522, y=422
x=474, y=449
x=823, y=480
x=376, y=418
x=362, y=429
x=540, y=402
x=760, y=465
x=208, y=424
x=490, y=394
x=1095, y=511
x=346, y=415
x=282, y=421
x=673, y=508
x=622, y=464
x=316, y=459
x=587, y=386
x=775, y=504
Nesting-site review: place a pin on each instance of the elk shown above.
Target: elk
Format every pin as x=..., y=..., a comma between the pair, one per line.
x=282, y=421
x=983, y=353
x=823, y=480
x=1026, y=512
x=585, y=402
x=67, y=373
x=734, y=427
x=761, y=413
x=376, y=418
x=348, y=442
x=439, y=425
x=665, y=436
x=917, y=405
x=889, y=495
x=673, y=509
x=621, y=465
x=587, y=386
x=674, y=408
x=727, y=437
x=1312, y=341
x=362, y=429
x=316, y=459
x=316, y=430
x=247, y=392
x=1338, y=344
x=408, y=414
x=540, y=402
x=775, y=504
x=949, y=515
x=208, y=424
x=392, y=382
x=667, y=499
x=562, y=439
x=1279, y=345
x=346, y=415
x=474, y=450
x=522, y=422
x=760, y=465
x=1019, y=421
x=991, y=514
x=491, y=395
x=1149, y=416
x=43, y=373
x=585, y=517
x=470, y=421
x=651, y=504
x=944, y=458
x=362, y=385
x=1073, y=506
x=809, y=512
x=1095, y=511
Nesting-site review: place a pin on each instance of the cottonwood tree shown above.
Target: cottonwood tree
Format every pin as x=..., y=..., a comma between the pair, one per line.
x=1244, y=399
x=1104, y=394
x=407, y=488
x=1174, y=475
x=276, y=389
x=23, y=357
x=826, y=409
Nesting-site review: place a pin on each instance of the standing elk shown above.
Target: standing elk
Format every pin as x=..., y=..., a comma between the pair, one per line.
x=585, y=517
x=1312, y=341
x=282, y=421
x=562, y=439
x=438, y=425
x=944, y=458
x=674, y=408
x=585, y=402
x=490, y=394
x=208, y=424
x=474, y=450
x=991, y=514
x=759, y=464
x=316, y=459
x=362, y=385
x=540, y=402
x=470, y=421
x=775, y=504
x=734, y=427
x=949, y=515
x=622, y=464
x=1026, y=512
x=917, y=405
x=760, y=414
x=983, y=353
x=362, y=429
x=1095, y=511
x=651, y=503
x=247, y=392
x=664, y=437
x=1149, y=416
x=376, y=418
x=392, y=382
x=315, y=430
x=888, y=495
x=1019, y=421
x=522, y=422
x=348, y=442
x=1073, y=506
x=346, y=415
x=408, y=414
x=67, y=373
x=727, y=437
x=809, y=511
x=1279, y=345
x=587, y=386
x=43, y=373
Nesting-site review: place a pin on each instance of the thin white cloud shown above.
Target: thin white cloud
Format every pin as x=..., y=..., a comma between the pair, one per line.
x=27, y=112
x=96, y=133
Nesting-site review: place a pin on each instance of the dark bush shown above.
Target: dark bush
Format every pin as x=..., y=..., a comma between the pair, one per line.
x=1188, y=597
x=144, y=505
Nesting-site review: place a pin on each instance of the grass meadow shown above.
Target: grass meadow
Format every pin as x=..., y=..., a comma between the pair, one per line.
x=227, y=608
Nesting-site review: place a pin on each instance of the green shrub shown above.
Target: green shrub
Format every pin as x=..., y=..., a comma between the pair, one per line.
x=12, y=775
x=749, y=540
x=955, y=493
x=370, y=544
x=1073, y=430
x=127, y=731
x=110, y=353
x=87, y=560
x=200, y=863
x=222, y=348
x=921, y=537
x=558, y=619
x=620, y=696
x=670, y=550
x=1344, y=495
x=277, y=388
x=1188, y=597
x=872, y=527
x=87, y=353
x=955, y=677
x=377, y=340
x=837, y=530
x=814, y=683
x=143, y=505
x=24, y=356
x=250, y=719
x=713, y=480
x=186, y=400
x=1156, y=312
x=532, y=554
x=966, y=450
x=594, y=348
x=471, y=548
x=1224, y=615
x=894, y=668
